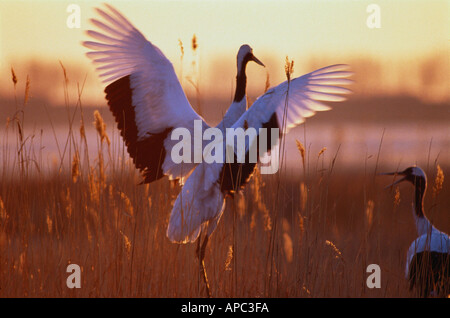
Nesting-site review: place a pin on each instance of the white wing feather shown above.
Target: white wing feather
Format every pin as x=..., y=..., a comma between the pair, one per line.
x=298, y=99
x=157, y=96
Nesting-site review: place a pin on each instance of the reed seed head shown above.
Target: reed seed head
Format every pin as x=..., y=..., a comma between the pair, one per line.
x=302, y=150
x=289, y=68
x=100, y=126
x=194, y=43
x=3, y=215
x=321, y=152
x=438, y=181
x=267, y=85
x=397, y=197
x=287, y=246
x=180, y=44
x=229, y=258
x=369, y=212
x=27, y=91
x=14, y=77
x=75, y=168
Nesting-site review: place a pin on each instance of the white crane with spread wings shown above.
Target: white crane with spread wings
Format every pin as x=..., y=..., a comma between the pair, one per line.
x=148, y=103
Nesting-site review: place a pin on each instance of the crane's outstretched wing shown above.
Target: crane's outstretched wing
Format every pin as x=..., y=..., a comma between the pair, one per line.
x=283, y=107
x=291, y=102
x=201, y=201
x=143, y=94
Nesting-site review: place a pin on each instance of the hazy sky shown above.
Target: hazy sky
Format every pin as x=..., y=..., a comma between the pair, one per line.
x=283, y=27
x=299, y=29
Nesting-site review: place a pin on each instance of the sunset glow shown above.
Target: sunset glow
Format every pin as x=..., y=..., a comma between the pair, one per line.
x=303, y=30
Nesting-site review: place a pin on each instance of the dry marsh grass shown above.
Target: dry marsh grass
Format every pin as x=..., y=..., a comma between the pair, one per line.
x=311, y=233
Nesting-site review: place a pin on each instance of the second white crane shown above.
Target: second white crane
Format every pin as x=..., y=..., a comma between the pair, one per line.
x=428, y=258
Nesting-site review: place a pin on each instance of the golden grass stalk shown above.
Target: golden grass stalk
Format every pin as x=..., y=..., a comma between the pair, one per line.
x=194, y=43
x=306, y=290
x=228, y=260
x=14, y=77
x=285, y=225
x=27, y=91
x=149, y=203
x=257, y=196
x=100, y=126
x=369, y=212
x=438, y=181
x=287, y=247
x=93, y=187
x=302, y=151
x=303, y=196
x=266, y=217
x=289, y=68
x=194, y=78
x=241, y=206
x=127, y=244
x=22, y=262
x=256, y=186
x=337, y=252
x=180, y=44
x=75, y=168
x=301, y=223
x=253, y=221
x=101, y=171
x=128, y=206
x=397, y=197
x=287, y=240
x=321, y=152
x=267, y=84
x=49, y=224
x=69, y=206
x=3, y=215
x=88, y=230
x=82, y=131
x=66, y=79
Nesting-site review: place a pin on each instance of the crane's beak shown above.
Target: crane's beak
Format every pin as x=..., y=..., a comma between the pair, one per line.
x=254, y=59
x=393, y=174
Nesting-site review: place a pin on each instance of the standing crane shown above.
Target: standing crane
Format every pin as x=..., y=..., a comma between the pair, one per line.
x=428, y=258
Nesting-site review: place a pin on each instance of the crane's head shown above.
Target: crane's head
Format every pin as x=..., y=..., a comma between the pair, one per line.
x=414, y=174
x=244, y=56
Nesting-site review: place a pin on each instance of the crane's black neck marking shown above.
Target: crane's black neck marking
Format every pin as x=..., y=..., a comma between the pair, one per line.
x=420, y=185
x=241, y=83
x=241, y=79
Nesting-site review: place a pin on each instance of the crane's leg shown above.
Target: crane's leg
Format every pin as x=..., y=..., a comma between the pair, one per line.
x=201, y=258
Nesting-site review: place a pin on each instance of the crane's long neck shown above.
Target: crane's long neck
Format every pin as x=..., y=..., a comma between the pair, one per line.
x=423, y=225
x=239, y=104
x=241, y=84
